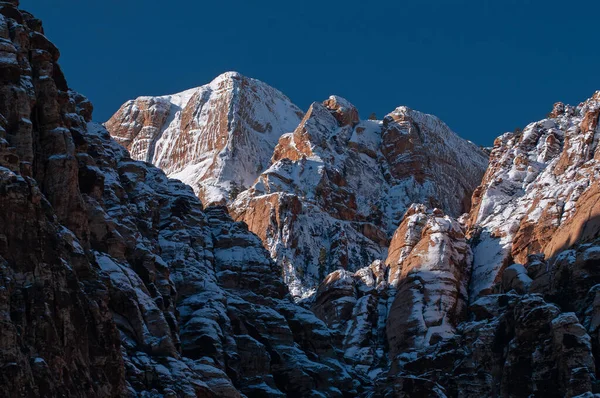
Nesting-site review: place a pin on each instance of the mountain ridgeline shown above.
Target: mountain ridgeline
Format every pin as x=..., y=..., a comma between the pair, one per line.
x=221, y=242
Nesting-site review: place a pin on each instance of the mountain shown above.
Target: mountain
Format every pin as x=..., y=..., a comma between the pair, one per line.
x=116, y=281
x=338, y=187
x=325, y=190
x=216, y=138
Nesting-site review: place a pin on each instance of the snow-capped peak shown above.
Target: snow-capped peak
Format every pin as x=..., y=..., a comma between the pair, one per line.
x=217, y=138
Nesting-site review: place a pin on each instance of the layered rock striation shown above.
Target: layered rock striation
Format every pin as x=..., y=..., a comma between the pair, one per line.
x=216, y=138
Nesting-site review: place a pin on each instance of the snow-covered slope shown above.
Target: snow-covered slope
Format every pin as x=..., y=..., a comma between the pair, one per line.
x=338, y=187
x=217, y=138
x=533, y=188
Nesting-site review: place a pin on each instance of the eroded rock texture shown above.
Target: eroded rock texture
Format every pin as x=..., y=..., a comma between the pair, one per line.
x=430, y=277
x=540, y=193
x=531, y=328
x=116, y=281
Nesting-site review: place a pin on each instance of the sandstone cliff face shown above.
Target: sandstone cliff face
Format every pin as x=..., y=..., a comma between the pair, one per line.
x=351, y=182
x=539, y=194
x=114, y=279
x=217, y=138
x=430, y=277
x=413, y=300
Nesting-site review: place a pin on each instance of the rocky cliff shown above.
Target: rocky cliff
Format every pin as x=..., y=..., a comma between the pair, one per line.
x=540, y=193
x=338, y=187
x=503, y=301
x=116, y=281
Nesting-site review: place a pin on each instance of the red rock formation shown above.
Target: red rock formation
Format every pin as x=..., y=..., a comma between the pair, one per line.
x=218, y=138
x=429, y=265
x=355, y=179
x=538, y=192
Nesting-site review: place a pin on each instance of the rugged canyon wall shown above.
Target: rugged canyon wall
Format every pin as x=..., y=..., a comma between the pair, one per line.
x=115, y=280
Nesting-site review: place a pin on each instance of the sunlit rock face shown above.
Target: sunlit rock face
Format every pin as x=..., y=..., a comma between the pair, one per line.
x=216, y=138
x=539, y=194
x=430, y=262
x=338, y=187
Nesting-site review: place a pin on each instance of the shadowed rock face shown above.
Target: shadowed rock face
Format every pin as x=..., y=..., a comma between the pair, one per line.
x=57, y=334
x=515, y=346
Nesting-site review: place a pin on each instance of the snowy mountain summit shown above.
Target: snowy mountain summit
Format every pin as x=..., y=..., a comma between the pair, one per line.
x=217, y=138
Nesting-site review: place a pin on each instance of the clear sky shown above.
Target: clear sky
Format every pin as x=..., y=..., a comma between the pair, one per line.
x=484, y=67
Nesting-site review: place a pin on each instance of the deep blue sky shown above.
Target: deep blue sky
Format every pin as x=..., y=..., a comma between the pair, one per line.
x=484, y=67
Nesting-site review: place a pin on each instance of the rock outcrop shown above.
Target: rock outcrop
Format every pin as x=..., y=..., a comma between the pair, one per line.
x=540, y=193
x=430, y=279
x=413, y=300
x=338, y=187
x=324, y=191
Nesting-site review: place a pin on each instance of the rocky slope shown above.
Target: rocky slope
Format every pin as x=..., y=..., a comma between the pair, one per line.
x=338, y=187
x=217, y=138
